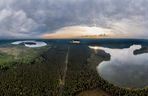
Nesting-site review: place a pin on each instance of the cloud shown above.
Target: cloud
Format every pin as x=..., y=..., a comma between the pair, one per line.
x=132, y=27
x=32, y=18
x=79, y=32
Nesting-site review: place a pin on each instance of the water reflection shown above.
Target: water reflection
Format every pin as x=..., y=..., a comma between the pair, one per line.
x=125, y=69
x=31, y=44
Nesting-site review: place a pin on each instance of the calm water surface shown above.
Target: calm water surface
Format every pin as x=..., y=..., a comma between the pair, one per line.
x=124, y=68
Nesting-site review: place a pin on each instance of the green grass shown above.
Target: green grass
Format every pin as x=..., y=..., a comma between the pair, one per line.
x=14, y=54
x=5, y=58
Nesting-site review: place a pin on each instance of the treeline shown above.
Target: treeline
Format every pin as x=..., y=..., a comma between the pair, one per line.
x=86, y=79
x=39, y=77
x=118, y=91
x=80, y=77
x=25, y=56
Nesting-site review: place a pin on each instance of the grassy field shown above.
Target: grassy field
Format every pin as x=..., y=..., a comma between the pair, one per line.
x=14, y=54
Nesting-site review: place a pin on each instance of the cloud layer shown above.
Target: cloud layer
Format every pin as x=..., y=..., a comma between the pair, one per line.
x=80, y=32
x=32, y=18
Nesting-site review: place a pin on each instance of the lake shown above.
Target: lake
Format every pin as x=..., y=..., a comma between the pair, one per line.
x=127, y=67
x=61, y=67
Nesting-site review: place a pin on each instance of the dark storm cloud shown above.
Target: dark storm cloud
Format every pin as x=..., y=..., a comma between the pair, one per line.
x=27, y=18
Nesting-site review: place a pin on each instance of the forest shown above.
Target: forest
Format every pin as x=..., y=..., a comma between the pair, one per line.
x=42, y=75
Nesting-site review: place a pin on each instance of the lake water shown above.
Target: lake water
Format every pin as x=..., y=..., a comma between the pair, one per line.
x=33, y=44
x=126, y=68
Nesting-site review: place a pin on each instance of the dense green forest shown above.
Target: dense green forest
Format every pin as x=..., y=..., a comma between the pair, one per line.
x=42, y=76
x=82, y=76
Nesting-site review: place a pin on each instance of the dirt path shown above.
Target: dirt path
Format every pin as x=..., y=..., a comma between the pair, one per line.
x=62, y=80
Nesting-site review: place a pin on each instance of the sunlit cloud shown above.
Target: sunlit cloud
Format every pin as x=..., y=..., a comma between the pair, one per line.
x=34, y=18
x=79, y=32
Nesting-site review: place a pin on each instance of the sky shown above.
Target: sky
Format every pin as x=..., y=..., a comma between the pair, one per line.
x=39, y=18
